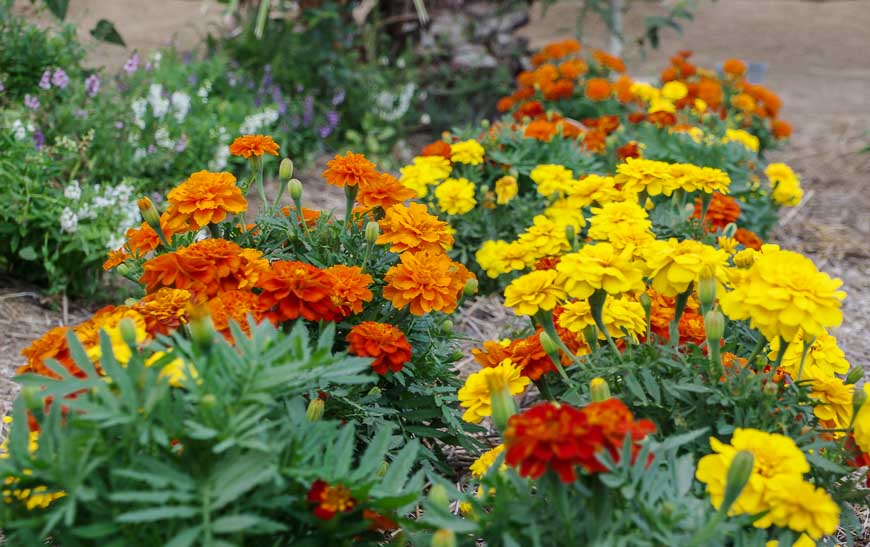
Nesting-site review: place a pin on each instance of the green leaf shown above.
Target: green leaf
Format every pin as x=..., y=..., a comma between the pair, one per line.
x=95, y=531
x=159, y=513
x=57, y=7
x=235, y=523
x=27, y=253
x=105, y=31
x=679, y=440
x=185, y=538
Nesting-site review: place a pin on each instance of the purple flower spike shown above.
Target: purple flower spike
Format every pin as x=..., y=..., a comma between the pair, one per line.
x=45, y=81
x=92, y=85
x=31, y=102
x=132, y=64
x=59, y=78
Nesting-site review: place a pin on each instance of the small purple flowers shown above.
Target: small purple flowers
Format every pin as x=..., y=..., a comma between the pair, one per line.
x=45, y=81
x=60, y=78
x=92, y=85
x=31, y=102
x=338, y=98
x=132, y=64
x=38, y=139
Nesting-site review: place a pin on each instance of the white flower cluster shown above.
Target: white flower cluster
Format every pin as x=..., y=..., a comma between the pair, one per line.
x=256, y=122
x=392, y=107
x=113, y=204
x=21, y=129
x=178, y=103
x=222, y=154
x=204, y=91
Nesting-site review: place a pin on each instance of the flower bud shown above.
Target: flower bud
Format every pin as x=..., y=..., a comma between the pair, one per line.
x=570, y=233
x=770, y=388
x=374, y=391
x=859, y=397
x=548, y=343
x=285, y=169
x=738, y=475
x=438, y=497
x=315, y=410
x=31, y=397
x=294, y=188
x=123, y=270
x=599, y=390
x=707, y=288
x=128, y=331
x=470, y=287
x=855, y=375
x=503, y=405
x=149, y=212
x=729, y=230
x=201, y=328
x=646, y=303
x=714, y=324
x=208, y=401
x=382, y=470
x=373, y=230
x=590, y=335
x=649, y=205
x=443, y=538
x=447, y=325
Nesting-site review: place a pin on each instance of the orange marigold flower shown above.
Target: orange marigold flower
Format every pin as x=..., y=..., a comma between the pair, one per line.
x=437, y=148
x=526, y=78
x=253, y=145
x=622, y=89
x=669, y=74
x=734, y=67
x=383, y=191
x=722, y=211
x=662, y=119
x=546, y=74
x=413, y=228
x=529, y=109
x=692, y=329
x=636, y=117
x=51, y=345
x=385, y=343
x=616, y=422
x=115, y=258
x=292, y=289
x=542, y=130
x=547, y=263
x=379, y=522
x=164, y=310
x=234, y=306
x=594, y=141
x=349, y=170
x=206, y=198
x=309, y=216
x=527, y=354
x=350, y=288
x=780, y=129
x=330, y=500
x=205, y=268
x=427, y=281
x=573, y=68
x=504, y=104
x=662, y=312
x=748, y=238
x=597, y=89
x=612, y=62
x=560, y=89
x=710, y=91
x=628, y=150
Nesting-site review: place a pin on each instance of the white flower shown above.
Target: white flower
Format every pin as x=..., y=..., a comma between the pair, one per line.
x=20, y=129
x=68, y=221
x=139, y=107
x=256, y=122
x=180, y=104
x=220, y=158
x=392, y=107
x=159, y=105
x=139, y=154
x=73, y=191
x=162, y=138
x=116, y=241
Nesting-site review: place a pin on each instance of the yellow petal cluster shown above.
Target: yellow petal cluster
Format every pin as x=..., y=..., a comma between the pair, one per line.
x=455, y=196
x=552, y=179
x=824, y=358
x=470, y=152
x=506, y=189
x=600, y=266
x=674, y=265
x=423, y=172
x=785, y=184
x=593, y=189
x=534, y=291
x=747, y=139
x=835, y=401
x=482, y=464
x=862, y=423
x=617, y=214
x=620, y=316
x=475, y=395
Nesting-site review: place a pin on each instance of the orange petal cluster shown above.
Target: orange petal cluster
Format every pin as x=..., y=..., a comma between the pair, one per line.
x=413, y=228
x=206, y=198
x=294, y=289
x=425, y=281
x=350, y=288
x=349, y=170
x=383, y=342
x=253, y=145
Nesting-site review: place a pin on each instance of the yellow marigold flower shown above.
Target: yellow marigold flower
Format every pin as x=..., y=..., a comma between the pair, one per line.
x=776, y=457
x=37, y=497
x=674, y=265
x=700, y=106
x=745, y=258
x=620, y=315
x=784, y=292
x=747, y=139
x=506, y=189
x=120, y=349
x=662, y=104
x=692, y=178
x=824, y=358
x=785, y=183
x=639, y=174
x=544, y=238
x=423, y=172
x=470, y=152
x=600, y=266
x=835, y=401
x=566, y=212
x=175, y=371
x=517, y=256
x=534, y=291
x=475, y=395
x=490, y=258
x=552, y=179
x=482, y=464
x=644, y=91
x=802, y=541
x=618, y=213
x=593, y=189
x=455, y=196
x=800, y=506
x=728, y=244
x=631, y=235
x=674, y=90
x=862, y=423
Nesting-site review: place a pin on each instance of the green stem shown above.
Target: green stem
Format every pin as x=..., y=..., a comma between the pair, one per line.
x=705, y=204
x=350, y=198
x=258, y=169
x=596, y=303
x=756, y=350
x=545, y=319
x=679, y=307
x=806, y=350
x=783, y=345
x=544, y=388
x=716, y=357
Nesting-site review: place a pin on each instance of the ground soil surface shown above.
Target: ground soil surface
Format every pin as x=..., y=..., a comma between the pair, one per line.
x=816, y=52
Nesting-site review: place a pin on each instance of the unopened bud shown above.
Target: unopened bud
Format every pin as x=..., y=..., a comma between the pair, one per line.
x=438, y=497
x=447, y=325
x=123, y=269
x=32, y=400
x=285, y=169
x=201, y=328
x=570, y=233
x=503, y=405
x=714, y=324
x=770, y=388
x=548, y=343
x=470, y=287
x=315, y=409
x=208, y=401
x=859, y=397
x=707, y=289
x=745, y=258
x=484, y=123
x=443, y=538
x=382, y=470
x=645, y=303
x=855, y=375
x=128, y=331
x=149, y=212
x=294, y=188
x=738, y=475
x=590, y=335
x=373, y=230
x=729, y=230
x=599, y=390
x=374, y=391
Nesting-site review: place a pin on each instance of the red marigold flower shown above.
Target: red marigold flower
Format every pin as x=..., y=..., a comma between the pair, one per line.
x=530, y=109
x=662, y=119
x=437, y=148
x=350, y=288
x=383, y=191
x=547, y=263
x=616, y=422
x=628, y=150
x=560, y=89
x=330, y=500
x=722, y=211
x=748, y=238
x=349, y=170
x=292, y=289
x=206, y=198
x=594, y=141
x=379, y=522
x=383, y=342
x=427, y=281
x=253, y=145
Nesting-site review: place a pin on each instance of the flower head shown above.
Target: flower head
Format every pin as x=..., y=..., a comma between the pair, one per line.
x=349, y=170
x=481, y=465
x=802, y=507
x=383, y=191
x=164, y=310
x=423, y=172
x=834, y=396
x=526, y=353
x=534, y=291
x=600, y=266
x=456, y=196
x=295, y=289
x=206, y=198
x=824, y=358
x=476, y=394
x=350, y=288
x=425, y=281
x=385, y=343
x=253, y=145
x=330, y=499
x=506, y=189
x=470, y=152
x=413, y=228
x=639, y=174
x=551, y=179
x=610, y=216
x=234, y=306
x=785, y=183
x=674, y=265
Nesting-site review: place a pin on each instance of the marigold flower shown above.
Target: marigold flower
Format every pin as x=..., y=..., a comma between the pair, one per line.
x=608, y=217
x=455, y=196
x=385, y=343
x=206, y=198
x=639, y=174
x=674, y=265
x=383, y=191
x=800, y=506
x=330, y=500
x=573, y=68
x=692, y=178
x=234, y=306
x=164, y=310
x=437, y=148
x=551, y=179
x=734, y=67
x=486, y=460
x=782, y=293
x=835, y=401
x=780, y=129
x=51, y=345
x=294, y=289
x=534, y=291
x=309, y=216
x=350, y=288
x=824, y=358
x=115, y=258
x=349, y=170
x=748, y=239
x=862, y=423
x=545, y=236
x=542, y=130
x=600, y=266
x=621, y=316
x=111, y=325
x=744, y=102
x=526, y=353
x=506, y=189
x=560, y=89
x=747, y=139
x=423, y=172
x=425, y=280
x=722, y=211
x=413, y=228
x=470, y=152
x=598, y=89
x=476, y=396
x=594, y=189
x=785, y=183
x=607, y=60
x=253, y=145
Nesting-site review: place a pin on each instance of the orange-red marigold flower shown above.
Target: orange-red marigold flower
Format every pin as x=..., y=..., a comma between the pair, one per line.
x=350, y=288
x=349, y=170
x=164, y=310
x=330, y=500
x=722, y=211
x=253, y=145
x=234, y=306
x=438, y=148
x=780, y=129
x=598, y=89
x=206, y=198
x=292, y=289
x=385, y=343
x=734, y=67
x=115, y=258
x=383, y=191
x=427, y=281
x=748, y=238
